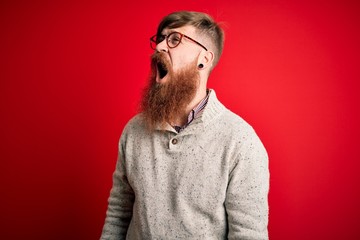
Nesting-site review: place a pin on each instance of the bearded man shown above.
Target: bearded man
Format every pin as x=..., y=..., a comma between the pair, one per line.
x=188, y=168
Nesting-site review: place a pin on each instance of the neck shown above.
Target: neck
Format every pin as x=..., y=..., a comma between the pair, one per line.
x=200, y=95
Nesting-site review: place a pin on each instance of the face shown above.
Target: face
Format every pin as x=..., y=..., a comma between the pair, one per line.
x=173, y=82
x=181, y=56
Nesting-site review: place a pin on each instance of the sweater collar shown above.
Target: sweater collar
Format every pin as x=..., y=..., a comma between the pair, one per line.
x=213, y=109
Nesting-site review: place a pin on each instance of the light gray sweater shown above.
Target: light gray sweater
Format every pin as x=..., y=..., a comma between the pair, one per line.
x=209, y=181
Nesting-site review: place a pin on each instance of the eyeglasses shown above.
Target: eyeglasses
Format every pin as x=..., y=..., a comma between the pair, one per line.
x=172, y=40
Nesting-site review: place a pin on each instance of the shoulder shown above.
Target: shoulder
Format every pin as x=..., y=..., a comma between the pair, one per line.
x=236, y=131
x=135, y=123
x=236, y=123
x=134, y=127
x=216, y=113
x=225, y=122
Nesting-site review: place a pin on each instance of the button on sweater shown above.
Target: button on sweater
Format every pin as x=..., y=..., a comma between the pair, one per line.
x=210, y=181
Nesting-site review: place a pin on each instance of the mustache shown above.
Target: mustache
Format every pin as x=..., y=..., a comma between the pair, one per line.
x=159, y=56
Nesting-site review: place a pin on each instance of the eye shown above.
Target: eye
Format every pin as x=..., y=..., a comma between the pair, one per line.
x=174, y=39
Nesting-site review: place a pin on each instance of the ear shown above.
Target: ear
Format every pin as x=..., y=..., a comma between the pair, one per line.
x=206, y=58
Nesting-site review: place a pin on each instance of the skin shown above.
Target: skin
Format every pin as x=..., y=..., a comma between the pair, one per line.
x=184, y=54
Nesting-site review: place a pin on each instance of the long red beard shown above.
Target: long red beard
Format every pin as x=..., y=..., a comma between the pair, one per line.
x=163, y=103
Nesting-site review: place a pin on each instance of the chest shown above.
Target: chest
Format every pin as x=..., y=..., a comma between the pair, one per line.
x=195, y=166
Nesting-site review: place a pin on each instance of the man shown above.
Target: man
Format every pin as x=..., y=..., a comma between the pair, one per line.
x=188, y=168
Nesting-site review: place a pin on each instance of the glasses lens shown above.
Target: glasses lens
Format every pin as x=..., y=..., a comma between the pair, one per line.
x=155, y=40
x=152, y=44
x=174, y=39
x=159, y=39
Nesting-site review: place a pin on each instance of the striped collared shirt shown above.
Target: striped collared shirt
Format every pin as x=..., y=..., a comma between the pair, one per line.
x=195, y=113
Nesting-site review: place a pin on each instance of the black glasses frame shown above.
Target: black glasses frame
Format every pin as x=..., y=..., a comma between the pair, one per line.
x=154, y=39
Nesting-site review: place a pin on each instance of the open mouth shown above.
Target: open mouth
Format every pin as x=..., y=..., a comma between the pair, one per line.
x=162, y=70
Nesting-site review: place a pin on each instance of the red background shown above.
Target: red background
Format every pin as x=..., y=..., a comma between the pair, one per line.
x=71, y=76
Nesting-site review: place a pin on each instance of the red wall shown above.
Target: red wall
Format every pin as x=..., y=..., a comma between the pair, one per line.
x=71, y=75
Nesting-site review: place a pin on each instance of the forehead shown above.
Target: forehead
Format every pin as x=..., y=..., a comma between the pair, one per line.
x=187, y=30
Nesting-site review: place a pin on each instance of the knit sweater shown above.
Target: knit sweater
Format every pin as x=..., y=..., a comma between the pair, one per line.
x=210, y=181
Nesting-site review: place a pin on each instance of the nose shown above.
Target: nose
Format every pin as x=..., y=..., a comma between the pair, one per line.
x=162, y=46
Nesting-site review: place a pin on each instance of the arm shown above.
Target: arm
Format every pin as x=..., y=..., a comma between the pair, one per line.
x=119, y=212
x=247, y=194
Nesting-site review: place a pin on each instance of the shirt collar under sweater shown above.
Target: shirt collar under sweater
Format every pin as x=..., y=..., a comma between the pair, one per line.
x=211, y=111
x=195, y=113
